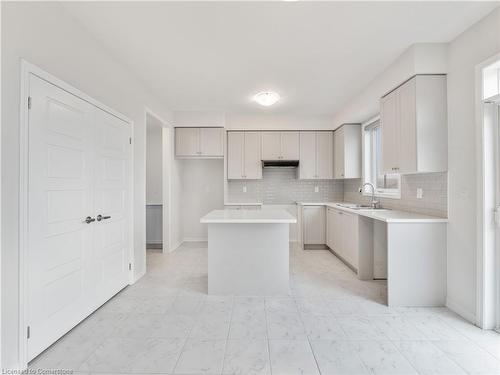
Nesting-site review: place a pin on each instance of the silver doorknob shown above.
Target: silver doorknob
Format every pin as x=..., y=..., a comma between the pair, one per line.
x=89, y=219
x=100, y=217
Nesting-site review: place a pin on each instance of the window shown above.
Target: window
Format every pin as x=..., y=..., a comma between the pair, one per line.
x=386, y=184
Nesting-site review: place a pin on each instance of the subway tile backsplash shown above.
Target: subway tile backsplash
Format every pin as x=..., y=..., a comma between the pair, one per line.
x=281, y=186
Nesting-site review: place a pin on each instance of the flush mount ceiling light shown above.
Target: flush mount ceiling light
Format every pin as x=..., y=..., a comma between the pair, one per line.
x=266, y=98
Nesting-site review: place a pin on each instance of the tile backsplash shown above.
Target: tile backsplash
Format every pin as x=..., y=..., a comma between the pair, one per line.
x=434, y=200
x=281, y=186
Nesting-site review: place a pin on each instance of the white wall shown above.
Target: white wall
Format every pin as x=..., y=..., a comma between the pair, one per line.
x=276, y=122
x=45, y=35
x=471, y=48
x=154, y=165
x=418, y=59
x=203, y=191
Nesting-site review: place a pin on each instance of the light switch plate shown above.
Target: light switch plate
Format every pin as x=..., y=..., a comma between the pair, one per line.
x=244, y=189
x=420, y=193
x=316, y=189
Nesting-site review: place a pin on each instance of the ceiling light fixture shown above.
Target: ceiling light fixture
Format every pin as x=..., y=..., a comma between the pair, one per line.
x=266, y=98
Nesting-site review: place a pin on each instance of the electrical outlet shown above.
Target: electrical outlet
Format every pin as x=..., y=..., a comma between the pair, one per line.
x=316, y=189
x=244, y=189
x=420, y=193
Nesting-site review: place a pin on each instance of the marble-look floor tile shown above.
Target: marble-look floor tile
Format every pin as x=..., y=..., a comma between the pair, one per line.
x=427, y=359
x=433, y=328
x=201, y=357
x=322, y=327
x=281, y=305
x=382, y=357
x=492, y=346
x=213, y=326
x=360, y=328
x=248, y=325
x=396, y=327
x=470, y=356
x=290, y=357
x=337, y=357
x=247, y=357
x=287, y=325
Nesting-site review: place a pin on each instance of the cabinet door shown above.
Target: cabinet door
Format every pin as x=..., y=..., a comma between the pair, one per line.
x=390, y=133
x=324, y=155
x=352, y=151
x=339, y=157
x=211, y=141
x=235, y=151
x=307, y=164
x=187, y=141
x=314, y=225
x=408, y=126
x=330, y=219
x=290, y=145
x=337, y=234
x=252, y=159
x=271, y=145
x=350, y=240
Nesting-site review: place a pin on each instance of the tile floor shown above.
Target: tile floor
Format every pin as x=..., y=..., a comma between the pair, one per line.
x=331, y=324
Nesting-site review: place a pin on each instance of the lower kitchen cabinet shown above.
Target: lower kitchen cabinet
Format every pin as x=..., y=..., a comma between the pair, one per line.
x=314, y=225
x=342, y=235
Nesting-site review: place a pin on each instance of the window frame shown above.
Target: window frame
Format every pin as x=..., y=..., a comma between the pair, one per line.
x=367, y=149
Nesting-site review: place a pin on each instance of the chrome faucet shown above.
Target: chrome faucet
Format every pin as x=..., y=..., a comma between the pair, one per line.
x=374, y=203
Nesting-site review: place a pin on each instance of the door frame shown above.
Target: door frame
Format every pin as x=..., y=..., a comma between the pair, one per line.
x=487, y=278
x=26, y=70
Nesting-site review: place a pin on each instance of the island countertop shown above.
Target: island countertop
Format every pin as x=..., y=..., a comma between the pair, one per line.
x=274, y=216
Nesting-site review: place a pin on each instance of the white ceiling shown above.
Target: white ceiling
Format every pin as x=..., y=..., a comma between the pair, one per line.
x=316, y=55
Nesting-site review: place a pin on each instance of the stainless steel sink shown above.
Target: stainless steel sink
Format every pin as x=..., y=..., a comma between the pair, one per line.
x=361, y=207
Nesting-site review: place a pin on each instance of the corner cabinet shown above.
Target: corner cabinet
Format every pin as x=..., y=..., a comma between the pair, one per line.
x=280, y=145
x=316, y=155
x=199, y=142
x=244, y=155
x=347, y=151
x=413, y=118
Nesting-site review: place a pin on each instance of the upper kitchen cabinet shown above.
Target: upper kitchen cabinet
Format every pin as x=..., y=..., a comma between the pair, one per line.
x=199, y=142
x=316, y=155
x=347, y=151
x=414, y=126
x=244, y=155
x=280, y=145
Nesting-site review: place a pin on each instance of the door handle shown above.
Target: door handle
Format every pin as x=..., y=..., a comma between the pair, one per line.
x=89, y=219
x=100, y=217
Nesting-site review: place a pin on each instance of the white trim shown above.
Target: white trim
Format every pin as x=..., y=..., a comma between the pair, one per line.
x=457, y=308
x=481, y=230
x=27, y=69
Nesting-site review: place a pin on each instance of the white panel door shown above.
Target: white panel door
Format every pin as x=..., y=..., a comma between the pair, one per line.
x=290, y=145
x=390, y=133
x=271, y=145
x=307, y=164
x=324, y=155
x=211, y=141
x=253, y=160
x=111, y=205
x=235, y=151
x=59, y=200
x=339, y=154
x=187, y=141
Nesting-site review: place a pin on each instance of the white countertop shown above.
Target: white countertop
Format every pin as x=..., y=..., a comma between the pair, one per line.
x=274, y=216
x=388, y=216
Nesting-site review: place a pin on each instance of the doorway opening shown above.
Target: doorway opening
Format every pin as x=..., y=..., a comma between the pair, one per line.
x=156, y=236
x=488, y=257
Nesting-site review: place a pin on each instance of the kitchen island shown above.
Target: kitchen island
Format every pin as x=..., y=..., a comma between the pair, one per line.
x=248, y=252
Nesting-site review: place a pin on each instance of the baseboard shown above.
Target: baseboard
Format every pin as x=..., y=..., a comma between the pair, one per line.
x=464, y=313
x=175, y=246
x=195, y=239
x=138, y=277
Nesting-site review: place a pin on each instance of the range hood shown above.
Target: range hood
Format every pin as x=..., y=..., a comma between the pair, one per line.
x=280, y=163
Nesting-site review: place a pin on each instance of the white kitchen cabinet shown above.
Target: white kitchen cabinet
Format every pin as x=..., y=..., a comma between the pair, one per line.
x=347, y=151
x=350, y=248
x=280, y=145
x=316, y=155
x=243, y=155
x=314, y=225
x=414, y=126
x=199, y=142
